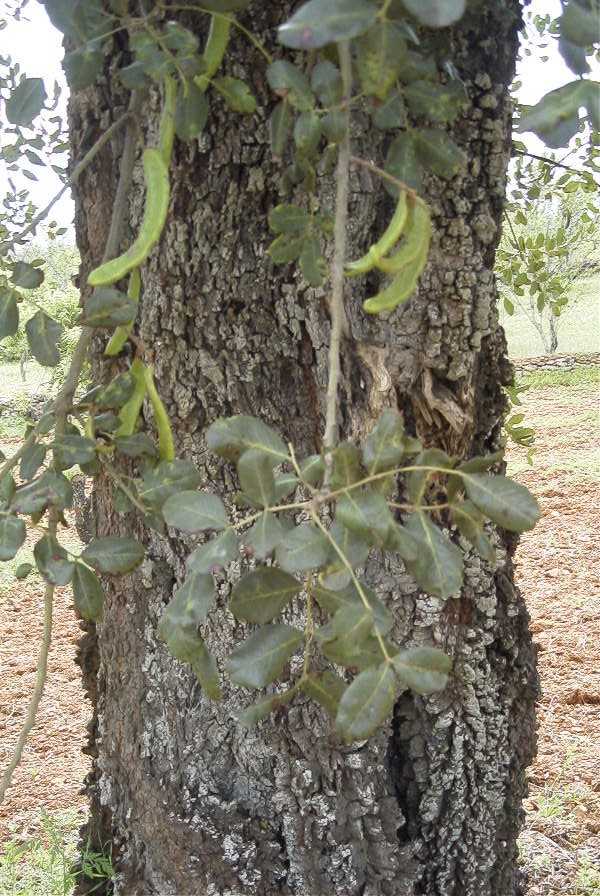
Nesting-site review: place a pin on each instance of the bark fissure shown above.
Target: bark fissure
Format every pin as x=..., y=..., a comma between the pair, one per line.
x=430, y=806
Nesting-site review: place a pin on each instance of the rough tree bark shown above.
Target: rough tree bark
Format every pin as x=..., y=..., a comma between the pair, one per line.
x=192, y=803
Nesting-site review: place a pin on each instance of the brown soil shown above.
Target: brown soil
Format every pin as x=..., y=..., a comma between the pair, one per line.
x=558, y=569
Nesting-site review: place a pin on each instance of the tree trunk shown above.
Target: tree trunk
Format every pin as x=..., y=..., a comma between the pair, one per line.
x=192, y=803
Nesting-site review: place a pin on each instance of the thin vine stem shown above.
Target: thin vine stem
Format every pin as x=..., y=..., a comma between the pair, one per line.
x=355, y=581
x=337, y=267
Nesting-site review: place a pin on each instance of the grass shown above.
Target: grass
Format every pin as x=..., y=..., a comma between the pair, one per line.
x=45, y=865
x=588, y=878
x=579, y=325
x=578, y=376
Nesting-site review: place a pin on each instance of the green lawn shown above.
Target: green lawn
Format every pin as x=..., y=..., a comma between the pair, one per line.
x=579, y=326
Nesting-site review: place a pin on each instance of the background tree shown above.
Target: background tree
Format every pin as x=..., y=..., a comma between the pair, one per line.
x=191, y=801
x=549, y=243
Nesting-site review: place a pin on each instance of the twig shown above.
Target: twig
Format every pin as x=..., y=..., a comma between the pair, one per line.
x=375, y=169
x=62, y=406
x=532, y=155
x=337, y=267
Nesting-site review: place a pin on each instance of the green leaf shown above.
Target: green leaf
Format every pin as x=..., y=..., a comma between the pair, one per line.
x=264, y=536
x=280, y=127
x=166, y=479
x=469, y=522
x=436, y=13
x=379, y=55
x=115, y=394
x=424, y=670
x=304, y=548
x=288, y=219
x=23, y=570
x=83, y=65
x=336, y=575
x=12, y=536
x=312, y=469
x=7, y=491
x=505, y=502
x=345, y=466
x=391, y=114
x=366, y=513
x=312, y=263
x=9, y=312
x=255, y=472
x=285, y=484
x=437, y=102
x=580, y=24
x=321, y=22
x=136, y=445
x=43, y=334
x=49, y=488
x=32, y=460
x=191, y=602
x=236, y=94
x=366, y=703
x=384, y=447
x=186, y=645
x=229, y=436
x=326, y=690
x=290, y=82
x=402, y=542
x=417, y=480
x=439, y=152
x=334, y=126
x=326, y=81
x=217, y=552
x=25, y=102
x=107, y=307
x=87, y=593
x=191, y=113
x=349, y=598
x=403, y=162
x=262, y=708
x=555, y=119
x=284, y=249
x=52, y=561
x=307, y=132
x=262, y=657
x=113, y=555
x=73, y=449
x=262, y=594
x=27, y=276
x=438, y=566
x=195, y=511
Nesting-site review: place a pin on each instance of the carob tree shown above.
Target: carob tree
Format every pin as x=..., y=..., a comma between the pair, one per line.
x=330, y=428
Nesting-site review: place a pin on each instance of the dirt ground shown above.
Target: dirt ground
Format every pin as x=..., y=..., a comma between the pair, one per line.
x=558, y=571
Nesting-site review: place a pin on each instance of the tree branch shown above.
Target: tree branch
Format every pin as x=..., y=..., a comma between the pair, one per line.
x=338, y=316
x=532, y=155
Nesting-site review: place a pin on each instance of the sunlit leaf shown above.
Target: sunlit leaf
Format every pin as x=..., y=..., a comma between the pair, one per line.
x=113, y=554
x=505, y=502
x=424, y=670
x=325, y=689
x=262, y=657
x=255, y=471
x=87, y=593
x=218, y=552
x=304, y=548
x=229, y=436
x=366, y=703
x=321, y=22
x=438, y=566
x=436, y=13
x=195, y=511
x=43, y=334
x=264, y=536
x=262, y=594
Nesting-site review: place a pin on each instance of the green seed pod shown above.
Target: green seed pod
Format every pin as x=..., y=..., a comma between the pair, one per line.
x=129, y=413
x=166, y=446
x=387, y=241
x=156, y=176
x=121, y=334
x=214, y=51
